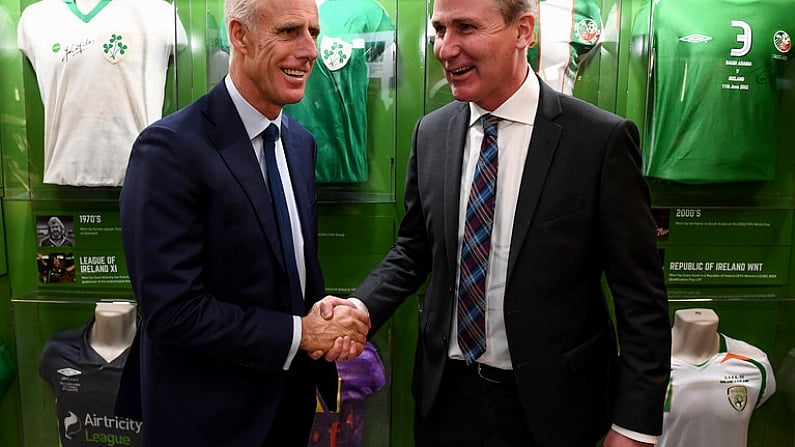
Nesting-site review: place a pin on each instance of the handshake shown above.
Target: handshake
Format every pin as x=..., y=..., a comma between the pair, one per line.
x=334, y=329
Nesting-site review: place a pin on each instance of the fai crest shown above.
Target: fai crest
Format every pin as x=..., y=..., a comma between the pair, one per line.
x=782, y=41
x=115, y=48
x=738, y=397
x=335, y=52
x=587, y=30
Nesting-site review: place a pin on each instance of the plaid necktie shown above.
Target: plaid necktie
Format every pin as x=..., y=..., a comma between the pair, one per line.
x=269, y=137
x=475, y=248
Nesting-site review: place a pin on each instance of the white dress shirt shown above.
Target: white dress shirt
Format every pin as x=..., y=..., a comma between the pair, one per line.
x=517, y=115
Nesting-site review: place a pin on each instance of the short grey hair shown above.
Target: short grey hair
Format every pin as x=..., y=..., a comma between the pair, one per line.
x=243, y=10
x=512, y=9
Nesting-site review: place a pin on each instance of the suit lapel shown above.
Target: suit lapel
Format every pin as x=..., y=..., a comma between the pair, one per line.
x=234, y=147
x=454, y=159
x=543, y=144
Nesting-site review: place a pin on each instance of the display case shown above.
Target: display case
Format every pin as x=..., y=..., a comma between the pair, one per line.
x=68, y=117
x=710, y=86
x=724, y=234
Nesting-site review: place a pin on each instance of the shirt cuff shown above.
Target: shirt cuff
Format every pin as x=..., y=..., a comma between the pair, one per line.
x=640, y=437
x=296, y=342
x=359, y=304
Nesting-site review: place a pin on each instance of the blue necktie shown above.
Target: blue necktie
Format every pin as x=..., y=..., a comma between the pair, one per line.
x=269, y=137
x=476, y=246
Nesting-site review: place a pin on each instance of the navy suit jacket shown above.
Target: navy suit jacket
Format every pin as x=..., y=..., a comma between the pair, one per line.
x=202, y=249
x=583, y=212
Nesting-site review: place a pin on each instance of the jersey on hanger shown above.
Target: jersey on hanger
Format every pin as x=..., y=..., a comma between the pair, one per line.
x=85, y=387
x=710, y=405
x=716, y=69
x=102, y=77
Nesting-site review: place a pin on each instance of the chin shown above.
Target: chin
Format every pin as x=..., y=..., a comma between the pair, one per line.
x=294, y=97
x=461, y=96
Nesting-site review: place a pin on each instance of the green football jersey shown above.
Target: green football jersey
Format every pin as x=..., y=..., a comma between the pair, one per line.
x=717, y=66
x=353, y=34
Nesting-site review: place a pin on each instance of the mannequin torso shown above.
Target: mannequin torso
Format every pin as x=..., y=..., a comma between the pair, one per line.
x=114, y=328
x=694, y=336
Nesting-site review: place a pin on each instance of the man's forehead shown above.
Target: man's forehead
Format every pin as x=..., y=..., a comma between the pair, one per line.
x=447, y=16
x=292, y=10
x=446, y=12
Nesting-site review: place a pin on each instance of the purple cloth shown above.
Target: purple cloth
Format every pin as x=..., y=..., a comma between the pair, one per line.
x=361, y=377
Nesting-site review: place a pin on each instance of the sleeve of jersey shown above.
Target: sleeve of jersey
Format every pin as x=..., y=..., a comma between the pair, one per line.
x=23, y=43
x=182, y=36
x=641, y=22
x=744, y=351
x=172, y=25
x=769, y=379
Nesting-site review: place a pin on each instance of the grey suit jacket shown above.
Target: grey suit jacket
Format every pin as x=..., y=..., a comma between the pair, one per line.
x=583, y=212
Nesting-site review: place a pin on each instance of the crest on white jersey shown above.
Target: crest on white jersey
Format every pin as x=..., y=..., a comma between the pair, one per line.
x=738, y=396
x=335, y=52
x=115, y=47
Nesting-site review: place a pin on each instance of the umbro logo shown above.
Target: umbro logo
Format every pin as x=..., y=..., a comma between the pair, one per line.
x=69, y=372
x=695, y=38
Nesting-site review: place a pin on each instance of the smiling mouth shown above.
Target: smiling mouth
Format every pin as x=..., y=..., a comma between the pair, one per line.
x=294, y=73
x=461, y=70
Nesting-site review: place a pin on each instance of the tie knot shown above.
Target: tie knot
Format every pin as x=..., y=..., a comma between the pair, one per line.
x=271, y=133
x=489, y=123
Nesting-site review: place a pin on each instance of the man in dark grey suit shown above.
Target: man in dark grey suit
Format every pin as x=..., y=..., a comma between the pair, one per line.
x=219, y=221
x=570, y=207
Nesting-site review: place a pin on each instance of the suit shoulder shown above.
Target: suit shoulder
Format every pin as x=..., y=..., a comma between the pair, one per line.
x=442, y=115
x=295, y=126
x=589, y=112
x=298, y=132
x=183, y=120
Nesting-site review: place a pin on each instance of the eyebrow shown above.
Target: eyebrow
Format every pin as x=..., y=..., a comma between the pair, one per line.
x=455, y=21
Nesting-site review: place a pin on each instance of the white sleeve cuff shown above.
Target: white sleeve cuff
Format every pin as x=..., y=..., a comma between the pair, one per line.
x=640, y=437
x=359, y=304
x=296, y=342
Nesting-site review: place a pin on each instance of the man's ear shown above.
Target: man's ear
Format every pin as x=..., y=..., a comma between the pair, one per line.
x=525, y=26
x=238, y=35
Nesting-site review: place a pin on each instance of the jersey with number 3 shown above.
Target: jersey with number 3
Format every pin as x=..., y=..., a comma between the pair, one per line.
x=717, y=66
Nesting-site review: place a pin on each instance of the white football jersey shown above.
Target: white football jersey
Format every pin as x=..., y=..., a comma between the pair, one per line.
x=102, y=77
x=711, y=404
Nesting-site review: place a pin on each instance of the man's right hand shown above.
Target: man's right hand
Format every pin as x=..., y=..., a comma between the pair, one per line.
x=334, y=329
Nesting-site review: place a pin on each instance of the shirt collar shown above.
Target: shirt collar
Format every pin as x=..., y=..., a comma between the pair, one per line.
x=516, y=107
x=254, y=122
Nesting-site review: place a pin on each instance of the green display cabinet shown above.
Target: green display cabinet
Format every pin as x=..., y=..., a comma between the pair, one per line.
x=53, y=287
x=725, y=246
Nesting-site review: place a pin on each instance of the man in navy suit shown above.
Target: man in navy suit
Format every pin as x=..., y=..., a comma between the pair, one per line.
x=223, y=261
x=535, y=361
